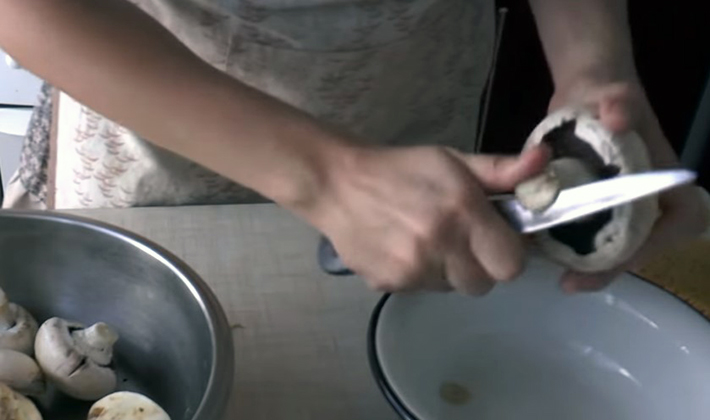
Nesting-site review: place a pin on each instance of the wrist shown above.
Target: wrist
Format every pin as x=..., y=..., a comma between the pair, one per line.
x=582, y=86
x=262, y=143
x=306, y=182
x=595, y=69
x=604, y=54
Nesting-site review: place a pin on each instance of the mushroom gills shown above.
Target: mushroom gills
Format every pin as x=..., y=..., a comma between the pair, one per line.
x=580, y=234
x=125, y=405
x=565, y=144
x=14, y=406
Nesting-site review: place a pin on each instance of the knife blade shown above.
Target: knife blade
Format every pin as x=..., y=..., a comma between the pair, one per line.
x=578, y=202
x=571, y=204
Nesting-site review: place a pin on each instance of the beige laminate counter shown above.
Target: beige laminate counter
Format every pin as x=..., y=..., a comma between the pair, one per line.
x=299, y=334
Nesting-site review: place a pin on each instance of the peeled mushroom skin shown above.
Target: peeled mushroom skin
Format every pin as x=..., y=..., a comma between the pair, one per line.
x=17, y=327
x=77, y=364
x=21, y=373
x=14, y=406
x=540, y=192
x=606, y=239
x=125, y=405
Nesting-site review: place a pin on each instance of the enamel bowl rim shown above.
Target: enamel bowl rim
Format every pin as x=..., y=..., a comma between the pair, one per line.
x=384, y=384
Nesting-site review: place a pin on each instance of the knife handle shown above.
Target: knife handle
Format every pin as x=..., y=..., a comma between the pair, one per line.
x=329, y=260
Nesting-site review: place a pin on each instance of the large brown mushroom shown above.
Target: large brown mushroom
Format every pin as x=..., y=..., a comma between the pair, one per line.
x=583, y=150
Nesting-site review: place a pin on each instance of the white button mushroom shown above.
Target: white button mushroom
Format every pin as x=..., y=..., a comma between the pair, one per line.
x=14, y=406
x=126, y=405
x=583, y=151
x=77, y=359
x=21, y=373
x=17, y=327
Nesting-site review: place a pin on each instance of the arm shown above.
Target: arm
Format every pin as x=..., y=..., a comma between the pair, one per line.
x=392, y=213
x=114, y=58
x=585, y=38
x=589, y=50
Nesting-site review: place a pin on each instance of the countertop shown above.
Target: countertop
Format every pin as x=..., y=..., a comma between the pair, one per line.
x=299, y=334
x=684, y=272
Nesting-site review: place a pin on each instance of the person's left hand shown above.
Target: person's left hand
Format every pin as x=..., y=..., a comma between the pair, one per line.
x=623, y=106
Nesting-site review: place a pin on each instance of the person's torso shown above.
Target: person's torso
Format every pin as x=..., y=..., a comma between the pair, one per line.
x=392, y=71
x=397, y=71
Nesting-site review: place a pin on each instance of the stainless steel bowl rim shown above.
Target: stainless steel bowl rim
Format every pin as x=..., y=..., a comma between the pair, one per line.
x=216, y=397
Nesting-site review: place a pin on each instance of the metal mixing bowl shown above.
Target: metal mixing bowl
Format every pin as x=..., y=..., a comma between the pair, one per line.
x=175, y=343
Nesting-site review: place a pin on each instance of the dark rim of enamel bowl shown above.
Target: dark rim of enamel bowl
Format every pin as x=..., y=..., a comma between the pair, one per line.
x=381, y=379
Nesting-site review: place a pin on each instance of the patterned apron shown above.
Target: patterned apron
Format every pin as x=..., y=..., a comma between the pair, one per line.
x=398, y=72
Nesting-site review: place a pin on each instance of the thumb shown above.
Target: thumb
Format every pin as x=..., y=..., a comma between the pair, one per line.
x=498, y=173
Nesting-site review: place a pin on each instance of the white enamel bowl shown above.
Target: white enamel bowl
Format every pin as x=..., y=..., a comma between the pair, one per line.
x=527, y=351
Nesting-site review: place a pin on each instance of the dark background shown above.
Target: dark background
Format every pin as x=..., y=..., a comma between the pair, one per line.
x=672, y=52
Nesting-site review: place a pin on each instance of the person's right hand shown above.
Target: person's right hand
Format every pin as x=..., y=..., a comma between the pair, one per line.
x=418, y=217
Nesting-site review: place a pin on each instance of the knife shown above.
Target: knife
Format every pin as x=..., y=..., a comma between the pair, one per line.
x=571, y=204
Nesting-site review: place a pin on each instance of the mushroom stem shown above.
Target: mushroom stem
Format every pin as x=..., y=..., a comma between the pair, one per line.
x=77, y=360
x=98, y=336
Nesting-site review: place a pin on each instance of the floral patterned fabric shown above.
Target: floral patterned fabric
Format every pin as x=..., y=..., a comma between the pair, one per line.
x=28, y=186
x=392, y=71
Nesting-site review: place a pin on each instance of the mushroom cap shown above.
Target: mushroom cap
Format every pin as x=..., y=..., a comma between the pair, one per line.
x=17, y=327
x=605, y=240
x=125, y=405
x=21, y=373
x=14, y=406
x=69, y=366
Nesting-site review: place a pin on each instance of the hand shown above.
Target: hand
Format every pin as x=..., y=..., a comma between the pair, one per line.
x=418, y=218
x=621, y=107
